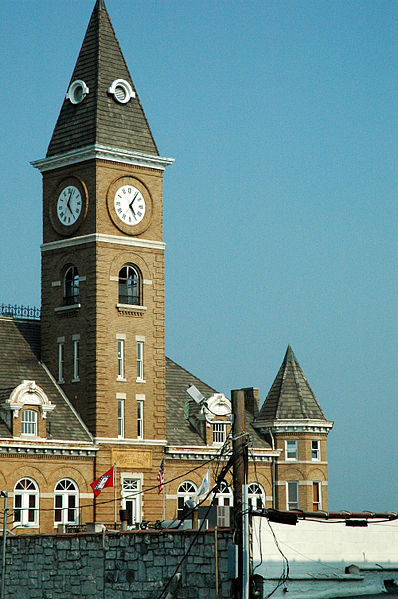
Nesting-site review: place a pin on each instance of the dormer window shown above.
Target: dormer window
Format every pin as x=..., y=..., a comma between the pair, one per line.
x=130, y=286
x=29, y=423
x=71, y=286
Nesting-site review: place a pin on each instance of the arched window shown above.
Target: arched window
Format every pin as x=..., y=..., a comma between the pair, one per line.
x=29, y=423
x=186, y=490
x=71, y=286
x=26, y=502
x=130, y=286
x=224, y=495
x=66, y=502
x=256, y=496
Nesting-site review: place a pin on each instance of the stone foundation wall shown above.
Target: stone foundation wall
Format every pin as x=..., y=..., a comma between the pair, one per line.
x=116, y=565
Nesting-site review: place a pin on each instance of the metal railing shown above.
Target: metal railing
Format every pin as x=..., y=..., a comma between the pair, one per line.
x=16, y=311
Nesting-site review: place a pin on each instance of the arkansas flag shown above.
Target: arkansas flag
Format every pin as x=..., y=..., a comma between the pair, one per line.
x=106, y=480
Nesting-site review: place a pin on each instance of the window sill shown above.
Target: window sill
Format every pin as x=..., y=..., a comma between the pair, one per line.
x=131, y=310
x=120, y=379
x=77, y=380
x=140, y=380
x=68, y=308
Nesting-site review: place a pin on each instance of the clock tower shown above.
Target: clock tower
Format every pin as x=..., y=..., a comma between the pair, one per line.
x=103, y=258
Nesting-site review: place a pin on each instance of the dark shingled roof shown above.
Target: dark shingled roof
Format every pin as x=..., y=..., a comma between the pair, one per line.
x=99, y=118
x=290, y=396
x=179, y=430
x=19, y=360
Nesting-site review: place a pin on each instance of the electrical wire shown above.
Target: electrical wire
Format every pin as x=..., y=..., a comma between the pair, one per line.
x=146, y=490
x=220, y=478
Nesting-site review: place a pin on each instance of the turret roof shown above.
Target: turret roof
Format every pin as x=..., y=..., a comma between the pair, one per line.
x=290, y=396
x=99, y=118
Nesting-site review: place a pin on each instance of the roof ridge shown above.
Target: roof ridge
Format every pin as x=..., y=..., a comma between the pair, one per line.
x=190, y=373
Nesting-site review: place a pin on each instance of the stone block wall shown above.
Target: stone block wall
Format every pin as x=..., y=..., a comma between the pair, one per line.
x=116, y=565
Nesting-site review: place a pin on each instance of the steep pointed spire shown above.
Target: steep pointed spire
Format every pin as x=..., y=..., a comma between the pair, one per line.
x=290, y=396
x=99, y=118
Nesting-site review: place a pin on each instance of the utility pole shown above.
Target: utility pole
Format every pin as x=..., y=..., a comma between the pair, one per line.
x=240, y=475
x=3, y=554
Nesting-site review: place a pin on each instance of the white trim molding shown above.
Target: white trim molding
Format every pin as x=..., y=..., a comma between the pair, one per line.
x=102, y=238
x=302, y=425
x=99, y=151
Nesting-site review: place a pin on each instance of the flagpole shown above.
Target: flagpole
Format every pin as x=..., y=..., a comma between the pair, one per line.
x=114, y=488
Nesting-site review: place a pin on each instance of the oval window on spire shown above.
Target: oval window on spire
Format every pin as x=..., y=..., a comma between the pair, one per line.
x=77, y=91
x=121, y=90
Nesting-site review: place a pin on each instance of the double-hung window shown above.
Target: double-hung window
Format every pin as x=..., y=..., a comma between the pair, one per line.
x=29, y=423
x=140, y=419
x=315, y=451
x=61, y=359
x=120, y=418
x=140, y=361
x=291, y=449
x=76, y=357
x=292, y=492
x=120, y=359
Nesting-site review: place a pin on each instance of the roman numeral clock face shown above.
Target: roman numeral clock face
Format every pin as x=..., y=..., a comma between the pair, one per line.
x=129, y=205
x=69, y=205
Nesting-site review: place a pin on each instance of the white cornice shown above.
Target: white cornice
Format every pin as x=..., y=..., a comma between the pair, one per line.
x=139, y=442
x=301, y=425
x=100, y=237
x=101, y=152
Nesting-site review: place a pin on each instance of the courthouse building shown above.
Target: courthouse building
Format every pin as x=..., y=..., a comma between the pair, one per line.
x=86, y=385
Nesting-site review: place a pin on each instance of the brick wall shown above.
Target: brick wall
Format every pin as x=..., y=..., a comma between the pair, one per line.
x=117, y=565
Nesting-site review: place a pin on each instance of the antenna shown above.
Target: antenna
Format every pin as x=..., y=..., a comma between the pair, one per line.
x=195, y=394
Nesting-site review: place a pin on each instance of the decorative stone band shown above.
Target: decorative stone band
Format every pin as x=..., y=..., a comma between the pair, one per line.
x=205, y=453
x=45, y=449
x=100, y=151
x=304, y=425
x=102, y=238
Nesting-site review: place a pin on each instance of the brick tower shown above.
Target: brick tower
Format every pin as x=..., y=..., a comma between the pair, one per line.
x=103, y=259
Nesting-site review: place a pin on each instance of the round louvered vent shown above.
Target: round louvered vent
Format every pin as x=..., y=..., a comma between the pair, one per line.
x=77, y=91
x=121, y=91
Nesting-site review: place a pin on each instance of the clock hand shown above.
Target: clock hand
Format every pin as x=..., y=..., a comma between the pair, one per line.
x=68, y=202
x=131, y=204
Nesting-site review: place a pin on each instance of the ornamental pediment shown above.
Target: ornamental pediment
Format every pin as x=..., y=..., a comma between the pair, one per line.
x=28, y=393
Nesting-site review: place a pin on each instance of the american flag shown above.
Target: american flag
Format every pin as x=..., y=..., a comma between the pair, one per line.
x=161, y=476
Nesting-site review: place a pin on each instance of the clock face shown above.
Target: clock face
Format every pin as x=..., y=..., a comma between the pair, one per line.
x=69, y=205
x=129, y=205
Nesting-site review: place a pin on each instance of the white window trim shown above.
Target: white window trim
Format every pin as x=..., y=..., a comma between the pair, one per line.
x=140, y=362
x=287, y=494
x=33, y=422
x=223, y=431
x=25, y=508
x=286, y=450
x=120, y=419
x=319, y=483
x=140, y=403
x=140, y=478
x=64, y=509
x=120, y=361
x=61, y=359
x=76, y=358
x=318, y=450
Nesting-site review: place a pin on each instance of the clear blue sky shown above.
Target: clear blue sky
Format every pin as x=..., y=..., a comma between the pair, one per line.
x=281, y=207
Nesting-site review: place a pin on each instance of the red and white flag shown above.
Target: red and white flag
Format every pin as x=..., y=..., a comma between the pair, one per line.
x=160, y=478
x=106, y=480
